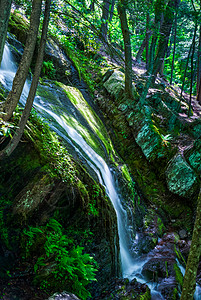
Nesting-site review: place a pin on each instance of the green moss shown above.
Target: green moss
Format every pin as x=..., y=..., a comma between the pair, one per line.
x=146, y=296
x=161, y=227
x=178, y=274
x=175, y=294
x=51, y=151
x=126, y=173
x=18, y=25
x=76, y=97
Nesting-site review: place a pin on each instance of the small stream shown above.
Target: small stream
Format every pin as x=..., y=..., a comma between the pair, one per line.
x=131, y=267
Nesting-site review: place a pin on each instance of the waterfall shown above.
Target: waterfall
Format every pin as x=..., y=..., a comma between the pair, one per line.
x=96, y=162
x=131, y=267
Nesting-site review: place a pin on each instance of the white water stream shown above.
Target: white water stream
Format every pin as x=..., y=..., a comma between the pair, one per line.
x=131, y=267
x=96, y=162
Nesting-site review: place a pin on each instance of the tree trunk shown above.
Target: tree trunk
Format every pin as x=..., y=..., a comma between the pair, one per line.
x=148, y=35
x=92, y=6
x=112, y=10
x=189, y=53
x=144, y=44
x=5, y=6
x=105, y=18
x=192, y=73
x=13, y=97
x=164, y=37
x=189, y=283
x=199, y=66
x=127, y=48
x=174, y=48
x=27, y=109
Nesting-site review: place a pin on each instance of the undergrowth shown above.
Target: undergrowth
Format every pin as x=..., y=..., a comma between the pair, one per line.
x=60, y=264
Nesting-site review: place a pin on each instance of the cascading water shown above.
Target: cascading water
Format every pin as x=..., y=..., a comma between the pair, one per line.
x=96, y=162
x=131, y=267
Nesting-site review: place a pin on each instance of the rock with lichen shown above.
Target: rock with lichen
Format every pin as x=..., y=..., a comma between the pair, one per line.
x=180, y=177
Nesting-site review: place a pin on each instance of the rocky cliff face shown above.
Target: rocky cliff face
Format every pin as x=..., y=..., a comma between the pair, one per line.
x=157, y=141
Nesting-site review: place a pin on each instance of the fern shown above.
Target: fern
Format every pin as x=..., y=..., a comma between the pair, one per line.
x=61, y=264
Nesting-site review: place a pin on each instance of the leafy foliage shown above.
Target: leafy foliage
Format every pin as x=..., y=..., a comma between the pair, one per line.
x=48, y=69
x=60, y=264
x=6, y=128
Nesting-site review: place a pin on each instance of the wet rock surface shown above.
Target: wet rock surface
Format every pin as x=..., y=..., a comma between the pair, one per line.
x=162, y=270
x=63, y=296
x=123, y=289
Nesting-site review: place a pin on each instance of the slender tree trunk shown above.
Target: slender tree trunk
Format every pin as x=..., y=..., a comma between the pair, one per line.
x=164, y=37
x=5, y=6
x=199, y=67
x=174, y=48
x=192, y=68
x=159, y=6
x=189, y=53
x=27, y=109
x=127, y=48
x=13, y=97
x=143, y=45
x=199, y=93
x=105, y=18
x=148, y=35
x=92, y=6
x=112, y=10
x=189, y=283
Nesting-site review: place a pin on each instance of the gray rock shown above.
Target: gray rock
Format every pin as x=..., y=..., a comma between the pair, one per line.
x=63, y=296
x=115, y=84
x=181, y=179
x=182, y=234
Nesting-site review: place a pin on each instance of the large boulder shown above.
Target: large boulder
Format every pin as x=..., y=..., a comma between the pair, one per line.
x=194, y=156
x=180, y=177
x=115, y=84
x=150, y=142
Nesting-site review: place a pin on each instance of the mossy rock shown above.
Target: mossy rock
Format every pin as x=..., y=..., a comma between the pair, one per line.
x=180, y=177
x=32, y=197
x=151, y=142
x=115, y=84
x=194, y=156
x=18, y=25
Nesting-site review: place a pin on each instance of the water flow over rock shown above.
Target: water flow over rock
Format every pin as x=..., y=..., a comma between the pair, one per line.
x=57, y=121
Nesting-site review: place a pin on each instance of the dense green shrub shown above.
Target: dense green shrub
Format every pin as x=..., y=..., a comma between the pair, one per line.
x=59, y=264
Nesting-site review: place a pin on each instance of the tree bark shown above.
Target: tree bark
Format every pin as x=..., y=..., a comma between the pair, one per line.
x=159, y=6
x=105, y=18
x=92, y=6
x=192, y=73
x=148, y=35
x=144, y=44
x=127, y=48
x=189, y=53
x=112, y=10
x=189, y=283
x=5, y=6
x=164, y=37
x=27, y=109
x=13, y=97
x=199, y=68
x=174, y=48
